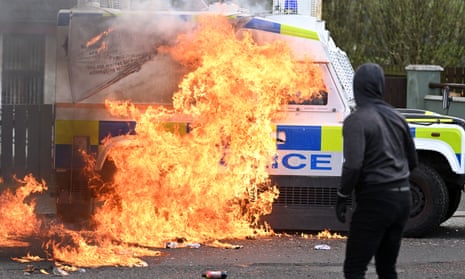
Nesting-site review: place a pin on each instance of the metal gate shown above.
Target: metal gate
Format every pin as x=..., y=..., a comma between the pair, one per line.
x=26, y=142
x=396, y=90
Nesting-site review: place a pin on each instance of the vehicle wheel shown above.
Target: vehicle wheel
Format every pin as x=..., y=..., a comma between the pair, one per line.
x=455, y=195
x=430, y=201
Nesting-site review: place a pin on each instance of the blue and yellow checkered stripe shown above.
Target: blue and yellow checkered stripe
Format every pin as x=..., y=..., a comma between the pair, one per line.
x=283, y=29
x=95, y=131
x=329, y=138
x=305, y=138
x=311, y=138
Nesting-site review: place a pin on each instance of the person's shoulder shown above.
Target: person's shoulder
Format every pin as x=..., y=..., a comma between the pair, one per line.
x=396, y=113
x=363, y=112
x=357, y=117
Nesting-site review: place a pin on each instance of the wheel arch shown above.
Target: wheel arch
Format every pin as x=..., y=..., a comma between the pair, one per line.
x=441, y=163
x=434, y=149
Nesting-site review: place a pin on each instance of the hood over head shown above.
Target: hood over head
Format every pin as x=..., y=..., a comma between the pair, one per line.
x=369, y=85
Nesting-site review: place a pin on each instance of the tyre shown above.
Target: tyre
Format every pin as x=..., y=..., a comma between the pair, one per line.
x=455, y=195
x=430, y=201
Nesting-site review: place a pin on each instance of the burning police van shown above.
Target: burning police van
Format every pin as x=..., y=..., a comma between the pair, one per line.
x=190, y=99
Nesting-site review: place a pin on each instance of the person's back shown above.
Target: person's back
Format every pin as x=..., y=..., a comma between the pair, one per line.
x=378, y=155
x=385, y=136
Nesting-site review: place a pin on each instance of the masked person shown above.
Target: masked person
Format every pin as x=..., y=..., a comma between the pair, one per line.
x=379, y=154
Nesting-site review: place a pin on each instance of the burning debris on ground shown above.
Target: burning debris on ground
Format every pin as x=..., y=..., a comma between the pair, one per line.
x=19, y=220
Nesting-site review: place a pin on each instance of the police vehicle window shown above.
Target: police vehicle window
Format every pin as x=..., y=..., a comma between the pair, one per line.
x=319, y=98
x=313, y=90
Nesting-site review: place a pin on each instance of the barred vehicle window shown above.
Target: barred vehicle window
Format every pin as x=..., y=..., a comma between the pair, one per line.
x=23, y=69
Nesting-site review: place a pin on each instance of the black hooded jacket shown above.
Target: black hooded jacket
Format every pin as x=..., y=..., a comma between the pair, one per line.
x=378, y=148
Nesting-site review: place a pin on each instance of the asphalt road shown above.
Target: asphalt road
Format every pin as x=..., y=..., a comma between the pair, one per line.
x=439, y=255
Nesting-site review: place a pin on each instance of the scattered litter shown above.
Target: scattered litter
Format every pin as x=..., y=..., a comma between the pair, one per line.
x=322, y=247
x=193, y=245
x=215, y=274
x=29, y=269
x=70, y=268
x=44, y=271
x=220, y=244
x=59, y=272
x=141, y=263
x=171, y=244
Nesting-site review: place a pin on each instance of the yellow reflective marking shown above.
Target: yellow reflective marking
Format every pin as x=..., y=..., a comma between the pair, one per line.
x=430, y=120
x=65, y=130
x=299, y=32
x=176, y=128
x=451, y=136
x=331, y=138
x=274, y=134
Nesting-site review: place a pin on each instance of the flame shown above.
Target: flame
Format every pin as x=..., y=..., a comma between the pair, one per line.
x=94, y=40
x=203, y=187
x=326, y=234
x=212, y=183
x=98, y=253
x=102, y=47
x=28, y=258
x=182, y=190
x=17, y=212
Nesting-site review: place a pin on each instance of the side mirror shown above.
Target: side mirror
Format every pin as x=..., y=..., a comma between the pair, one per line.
x=445, y=98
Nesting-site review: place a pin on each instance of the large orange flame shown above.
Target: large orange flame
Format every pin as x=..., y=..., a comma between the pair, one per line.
x=205, y=186
x=18, y=219
x=212, y=183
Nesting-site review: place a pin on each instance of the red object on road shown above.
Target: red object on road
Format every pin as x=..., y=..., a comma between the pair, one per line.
x=215, y=274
